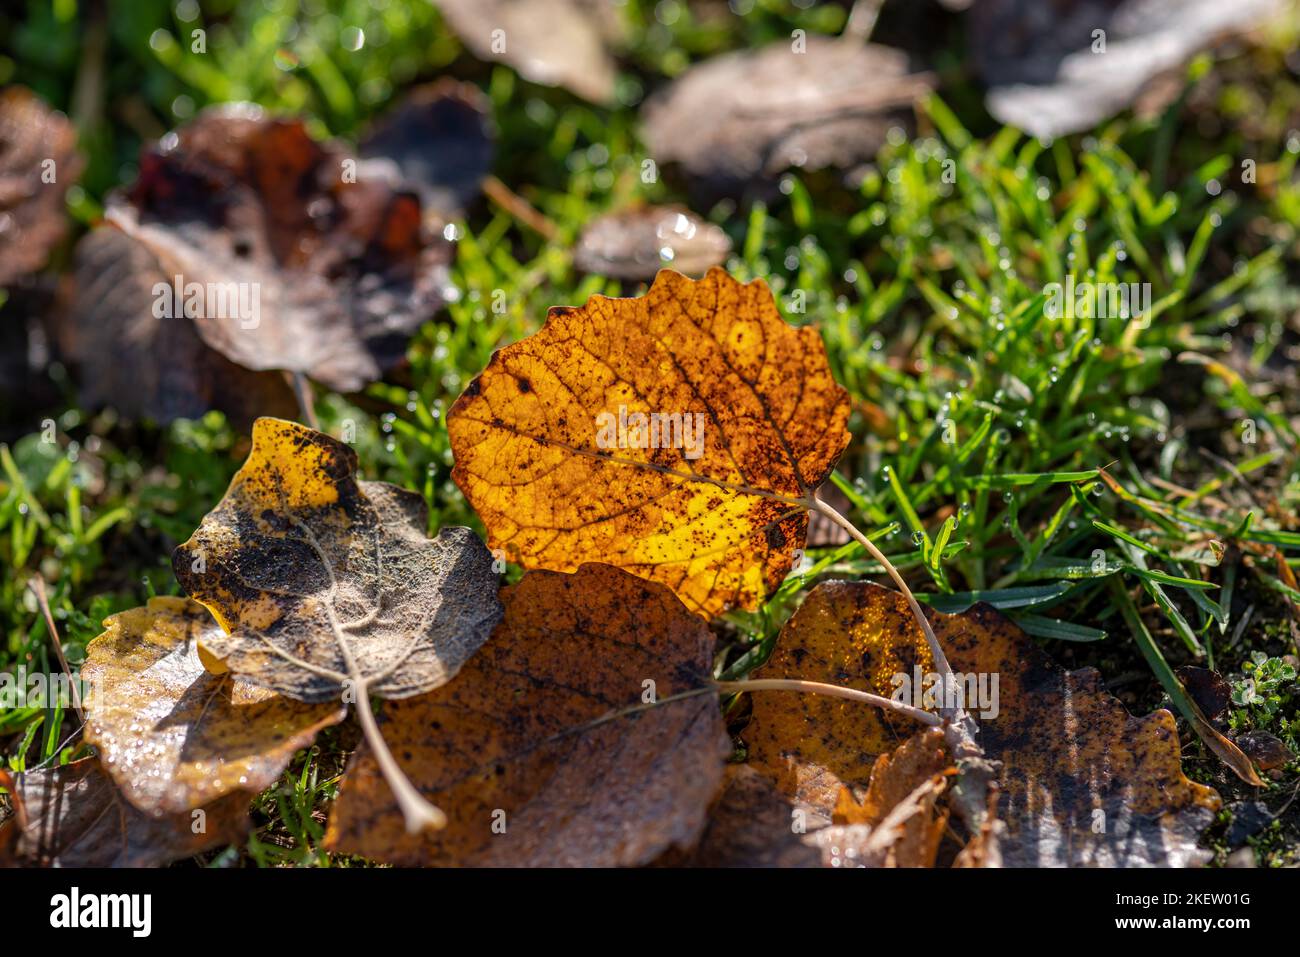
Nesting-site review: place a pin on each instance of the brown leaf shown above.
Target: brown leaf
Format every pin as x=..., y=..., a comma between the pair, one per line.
x=635, y=243
x=1267, y=750
x=750, y=825
x=551, y=42
x=907, y=836
x=1081, y=782
x=326, y=584
x=743, y=118
x=439, y=141
x=173, y=736
x=1209, y=690
x=1048, y=76
x=143, y=365
x=36, y=143
x=283, y=263
x=75, y=817
x=541, y=750
x=748, y=420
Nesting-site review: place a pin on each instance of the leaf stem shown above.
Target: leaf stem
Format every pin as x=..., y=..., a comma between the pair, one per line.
x=834, y=691
x=420, y=814
x=977, y=775
x=936, y=651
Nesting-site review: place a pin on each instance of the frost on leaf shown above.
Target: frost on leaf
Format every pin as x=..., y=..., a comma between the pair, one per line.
x=173, y=736
x=74, y=816
x=1082, y=781
x=546, y=750
x=326, y=584
x=709, y=496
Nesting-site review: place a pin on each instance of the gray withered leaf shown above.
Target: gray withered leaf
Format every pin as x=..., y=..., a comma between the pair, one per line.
x=1063, y=67
x=440, y=141
x=282, y=254
x=324, y=583
x=636, y=243
x=743, y=118
x=38, y=162
x=143, y=364
x=552, y=42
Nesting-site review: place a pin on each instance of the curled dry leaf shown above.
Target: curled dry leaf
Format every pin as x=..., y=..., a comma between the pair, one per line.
x=752, y=824
x=637, y=243
x=1082, y=782
x=907, y=836
x=173, y=736
x=439, y=141
x=145, y=365
x=74, y=816
x=1064, y=67
x=276, y=251
x=38, y=162
x=743, y=118
x=325, y=584
x=543, y=750
x=552, y=42
x=677, y=435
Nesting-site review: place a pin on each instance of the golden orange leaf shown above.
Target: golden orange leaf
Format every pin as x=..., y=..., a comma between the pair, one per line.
x=740, y=420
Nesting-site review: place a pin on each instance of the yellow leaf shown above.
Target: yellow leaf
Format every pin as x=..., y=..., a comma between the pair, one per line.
x=677, y=435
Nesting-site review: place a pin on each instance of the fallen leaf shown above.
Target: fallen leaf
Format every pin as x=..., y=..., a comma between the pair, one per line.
x=440, y=141
x=743, y=118
x=750, y=825
x=907, y=836
x=1266, y=750
x=1209, y=690
x=144, y=365
x=750, y=421
x=542, y=751
x=75, y=817
x=38, y=162
x=173, y=736
x=1082, y=782
x=324, y=583
x=1051, y=73
x=551, y=42
x=275, y=256
x=636, y=243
